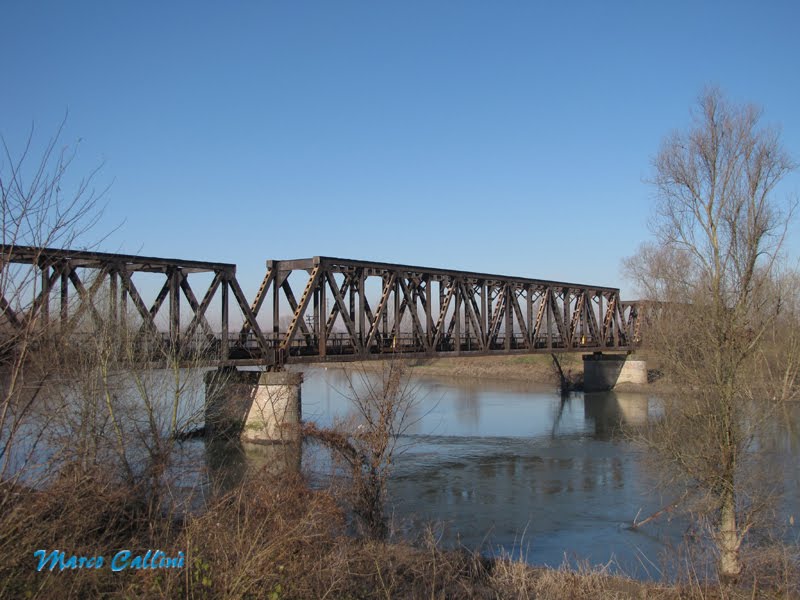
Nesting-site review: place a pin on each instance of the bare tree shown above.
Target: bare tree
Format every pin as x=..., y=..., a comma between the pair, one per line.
x=42, y=206
x=710, y=279
x=383, y=410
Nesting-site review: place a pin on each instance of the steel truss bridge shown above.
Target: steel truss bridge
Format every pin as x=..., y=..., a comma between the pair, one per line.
x=308, y=310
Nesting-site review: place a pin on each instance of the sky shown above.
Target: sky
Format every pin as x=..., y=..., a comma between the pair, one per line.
x=502, y=137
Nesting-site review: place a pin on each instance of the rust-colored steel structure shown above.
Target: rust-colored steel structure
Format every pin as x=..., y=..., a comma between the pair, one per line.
x=323, y=308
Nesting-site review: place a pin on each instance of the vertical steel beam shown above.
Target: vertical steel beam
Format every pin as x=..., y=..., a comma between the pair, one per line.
x=123, y=310
x=352, y=298
x=548, y=312
x=224, y=349
x=385, y=313
x=45, y=294
x=65, y=294
x=396, y=293
x=174, y=275
x=509, y=326
x=465, y=301
x=428, y=314
x=362, y=309
x=322, y=319
x=488, y=312
x=113, y=298
x=315, y=315
x=485, y=319
x=457, y=317
x=601, y=341
x=276, y=304
x=529, y=314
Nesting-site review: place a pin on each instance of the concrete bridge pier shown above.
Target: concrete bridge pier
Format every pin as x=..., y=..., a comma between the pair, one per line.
x=602, y=372
x=255, y=407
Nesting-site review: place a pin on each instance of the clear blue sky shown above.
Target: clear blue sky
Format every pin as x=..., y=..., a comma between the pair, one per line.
x=509, y=137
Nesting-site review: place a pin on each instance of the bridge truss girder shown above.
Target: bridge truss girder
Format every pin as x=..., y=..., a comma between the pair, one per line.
x=69, y=283
x=431, y=312
x=345, y=310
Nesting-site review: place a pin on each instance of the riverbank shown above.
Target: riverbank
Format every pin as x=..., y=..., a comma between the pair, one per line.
x=274, y=537
x=534, y=369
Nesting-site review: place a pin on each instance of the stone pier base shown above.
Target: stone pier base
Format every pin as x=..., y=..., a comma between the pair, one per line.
x=254, y=407
x=274, y=415
x=603, y=372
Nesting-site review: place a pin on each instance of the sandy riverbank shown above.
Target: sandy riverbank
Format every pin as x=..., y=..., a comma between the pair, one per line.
x=529, y=368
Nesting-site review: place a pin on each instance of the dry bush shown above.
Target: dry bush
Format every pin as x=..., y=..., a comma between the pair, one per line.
x=265, y=536
x=514, y=578
x=85, y=516
x=775, y=569
x=275, y=538
x=771, y=570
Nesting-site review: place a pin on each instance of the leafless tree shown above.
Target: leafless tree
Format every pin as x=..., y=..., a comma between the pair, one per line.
x=383, y=410
x=42, y=206
x=711, y=277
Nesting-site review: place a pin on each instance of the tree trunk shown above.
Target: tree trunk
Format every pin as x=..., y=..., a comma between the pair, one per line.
x=729, y=563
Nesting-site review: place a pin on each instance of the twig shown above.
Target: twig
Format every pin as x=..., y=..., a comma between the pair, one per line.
x=658, y=513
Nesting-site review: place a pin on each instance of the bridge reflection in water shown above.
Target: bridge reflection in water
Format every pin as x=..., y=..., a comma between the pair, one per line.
x=228, y=462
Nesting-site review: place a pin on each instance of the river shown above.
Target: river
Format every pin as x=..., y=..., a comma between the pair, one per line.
x=516, y=468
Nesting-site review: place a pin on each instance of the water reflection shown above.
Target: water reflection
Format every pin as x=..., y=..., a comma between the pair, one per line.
x=229, y=461
x=610, y=411
x=469, y=406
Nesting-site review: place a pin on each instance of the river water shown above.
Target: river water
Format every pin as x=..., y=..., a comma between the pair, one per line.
x=515, y=468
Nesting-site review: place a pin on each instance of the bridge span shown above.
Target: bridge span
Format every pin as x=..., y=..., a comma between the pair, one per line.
x=308, y=310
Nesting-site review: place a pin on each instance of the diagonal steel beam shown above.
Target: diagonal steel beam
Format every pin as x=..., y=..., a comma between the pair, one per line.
x=343, y=311
x=248, y=314
x=520, y=319
x=380, y=311
x=472, y=313
x=444, y=305
x=414, y=316
x=331, y=321
x=130, y=288
x=300, y=310
x=287, y=290
x=190, y=297
x=200, y=311
x=87, y=297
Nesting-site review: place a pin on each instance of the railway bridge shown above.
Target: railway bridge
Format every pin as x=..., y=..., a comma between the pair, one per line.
x=306, y=310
